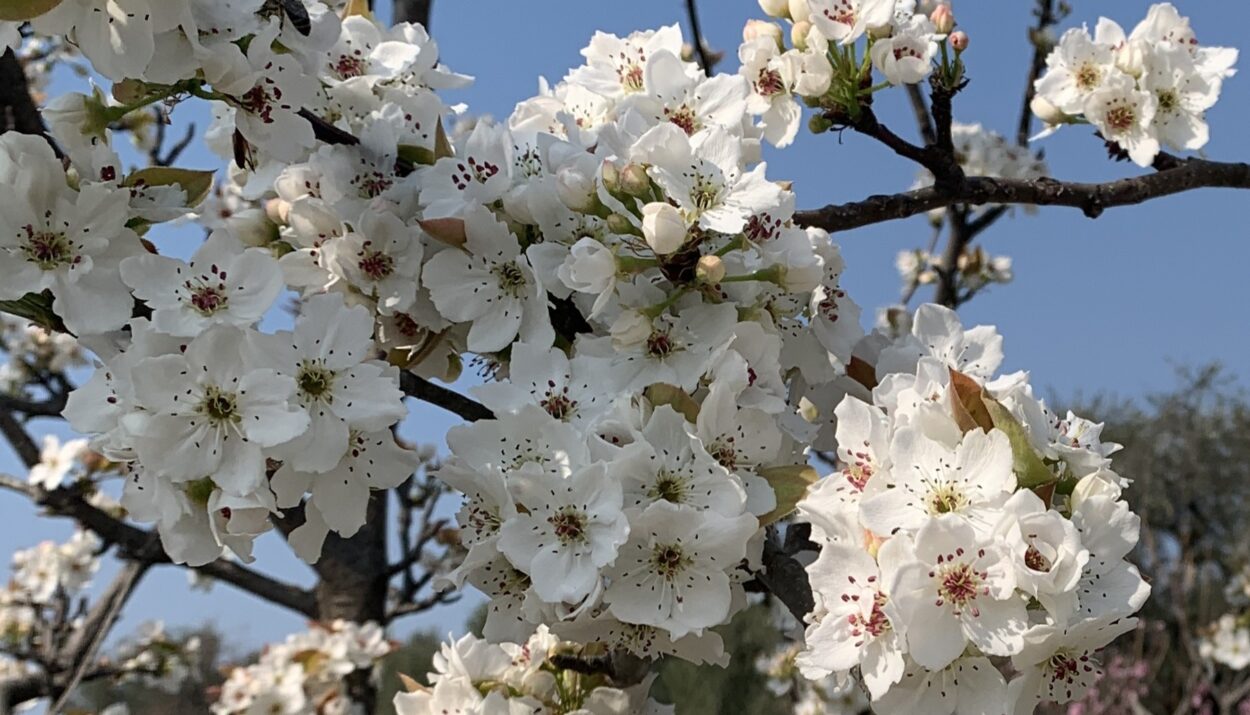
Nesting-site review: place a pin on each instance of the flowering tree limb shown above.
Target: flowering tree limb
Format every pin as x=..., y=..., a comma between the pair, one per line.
x=1091, y=199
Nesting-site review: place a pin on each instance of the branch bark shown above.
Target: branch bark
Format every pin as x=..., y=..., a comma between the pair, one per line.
x=138, y=544
x=1091, y=199
x=696, y=38
x=449, y=400
x=18, y=112
x=417, y=11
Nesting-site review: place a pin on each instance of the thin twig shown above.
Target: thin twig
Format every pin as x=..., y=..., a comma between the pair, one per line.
x=696, y=35
x=1046, y=17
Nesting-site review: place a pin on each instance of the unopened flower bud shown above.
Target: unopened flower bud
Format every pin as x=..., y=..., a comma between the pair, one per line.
x=278, y=210
x=798, y=34
x=663, y=227
x=959, y=40
x=1130, y=58
x=943, y=19
x=610, y=175
x=634, y=180
x=800, y=11
x=575, y=188
x=710, y=269
x=755, y=29
x=1047, y=112
x=774, y=8
x=252, y=227
x=620, y=224
x=819, y=124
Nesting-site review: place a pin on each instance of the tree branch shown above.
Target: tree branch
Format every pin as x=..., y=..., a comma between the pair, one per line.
x=137, y=544
x=449, y=400
x=417, y=11
x=1091, y=199
x=1046, y=17
x=87, y=641
x=923, y=122
x=18, y=112
x=786, y=579
x=706, y=62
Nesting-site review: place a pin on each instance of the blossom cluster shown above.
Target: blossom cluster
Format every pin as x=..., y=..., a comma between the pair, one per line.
x=32, y=352
x=665, y=345
x=967, y=525
x=975, y=269
x=304, y=675
x=1145, y=90
x=901, y=39
x=473, y=675
x=42, y=577
x=156, y=659
x=1227, y=641
x=618, y=493
x=826, y=696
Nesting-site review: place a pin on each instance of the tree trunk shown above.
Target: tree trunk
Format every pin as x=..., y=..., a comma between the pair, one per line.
x=352, y=585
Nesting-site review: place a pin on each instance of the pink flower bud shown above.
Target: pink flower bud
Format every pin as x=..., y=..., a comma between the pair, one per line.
x=959, y=40
x=943, y=19
x=755, y=29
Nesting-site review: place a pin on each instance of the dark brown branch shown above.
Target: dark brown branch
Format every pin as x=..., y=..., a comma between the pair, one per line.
x=15, y=691
x=706, y=61
x=947, y=292
x=51, y=407
x=449, y=400
x=417, y=11
x=786, y=579
x=18, y=112
x=1091, y=199
x=21, y=441
x=923, y=121
x=140, y=545
x=1038, y=34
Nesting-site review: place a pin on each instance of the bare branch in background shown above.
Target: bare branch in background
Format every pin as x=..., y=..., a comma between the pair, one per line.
x=82, y=650
x=701, y=53
x=157, y=155
x=1039, y=36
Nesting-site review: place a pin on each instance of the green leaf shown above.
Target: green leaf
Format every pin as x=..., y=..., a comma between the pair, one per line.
x=416, y=154
x=35, y=307
x=19, y=10
x=789, y=483
x=1030, y=470
x=664, y=394
x=195, y=183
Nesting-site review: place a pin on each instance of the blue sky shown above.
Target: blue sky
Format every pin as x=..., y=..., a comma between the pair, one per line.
x=1103, y=305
